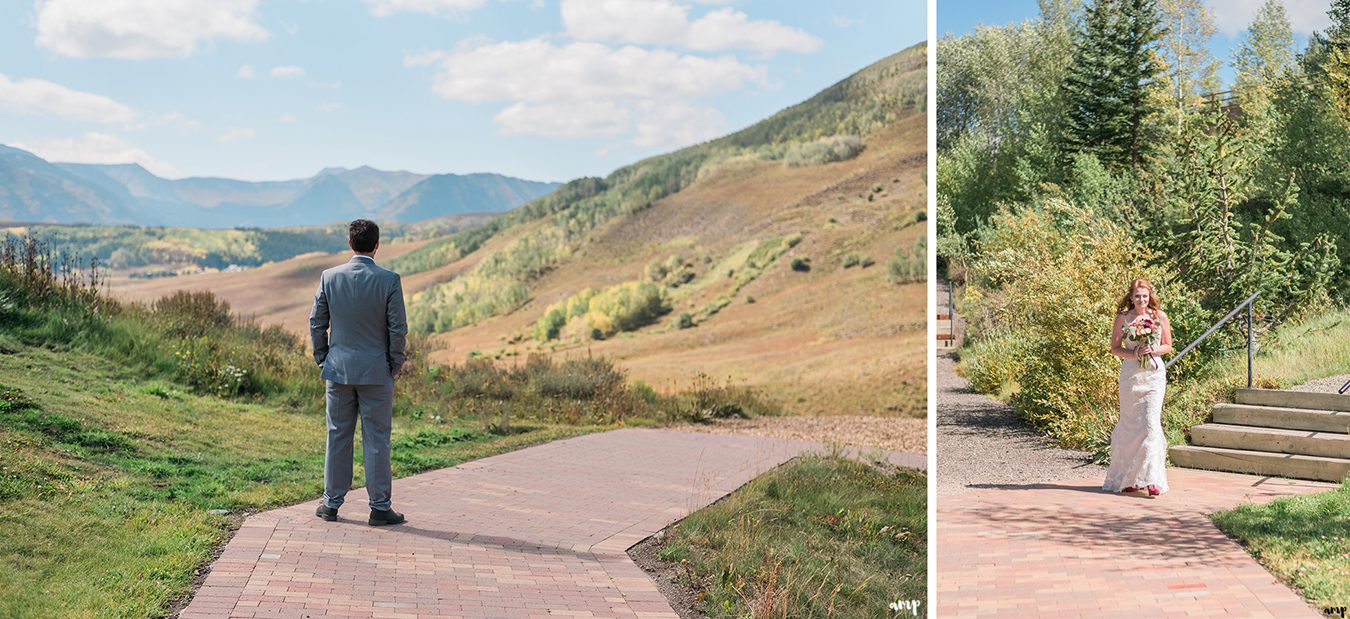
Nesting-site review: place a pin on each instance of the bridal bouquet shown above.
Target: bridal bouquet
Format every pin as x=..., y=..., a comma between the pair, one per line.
x=1143, y=331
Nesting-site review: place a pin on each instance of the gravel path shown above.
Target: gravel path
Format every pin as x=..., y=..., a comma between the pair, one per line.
x=1323, y=385
x=889, y=433
x=982, y=442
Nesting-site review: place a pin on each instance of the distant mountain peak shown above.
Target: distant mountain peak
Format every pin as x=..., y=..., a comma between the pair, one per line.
x=127, y=192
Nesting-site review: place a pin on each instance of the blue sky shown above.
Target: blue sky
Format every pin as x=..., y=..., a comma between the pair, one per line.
x=540, y=89
x=1231, y=18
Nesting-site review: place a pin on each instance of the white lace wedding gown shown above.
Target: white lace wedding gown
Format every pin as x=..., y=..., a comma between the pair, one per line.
x=1138, y=446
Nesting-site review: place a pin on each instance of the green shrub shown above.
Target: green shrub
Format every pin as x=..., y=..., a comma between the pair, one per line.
x=626, y=307
x=479, y=378
x=801, y=263
x=580, y=378
x=707, y=400
x=684, y=321
x=909, y=265
x=674, y=271
x=1060, y=272
x=193, y=313
x=206, y=365
x=824, y=150
x=550, y=325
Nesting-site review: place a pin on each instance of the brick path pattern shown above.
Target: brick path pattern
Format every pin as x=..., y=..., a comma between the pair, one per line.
x=1068, y=549
x=539, y=532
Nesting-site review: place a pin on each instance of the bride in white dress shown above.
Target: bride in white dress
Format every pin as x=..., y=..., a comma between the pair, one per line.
x=1138, y=445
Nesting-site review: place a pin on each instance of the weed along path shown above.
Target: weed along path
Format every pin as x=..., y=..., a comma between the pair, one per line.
x=539, y=532
x=1024, y=529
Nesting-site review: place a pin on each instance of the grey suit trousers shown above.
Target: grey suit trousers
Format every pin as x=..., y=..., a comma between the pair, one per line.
x=374, y=404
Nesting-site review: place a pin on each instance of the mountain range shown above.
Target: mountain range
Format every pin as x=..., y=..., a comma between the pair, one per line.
x=38, y=191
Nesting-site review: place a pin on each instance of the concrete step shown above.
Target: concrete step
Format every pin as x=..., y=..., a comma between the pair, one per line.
x=1294, y=399
x=1293, y=466
x=1281, y=417
x=1272, y=440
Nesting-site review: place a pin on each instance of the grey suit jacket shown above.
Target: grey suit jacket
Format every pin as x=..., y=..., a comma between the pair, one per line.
x=358, y=325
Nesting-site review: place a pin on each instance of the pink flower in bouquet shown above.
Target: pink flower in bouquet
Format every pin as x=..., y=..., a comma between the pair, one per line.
x=1142, y=330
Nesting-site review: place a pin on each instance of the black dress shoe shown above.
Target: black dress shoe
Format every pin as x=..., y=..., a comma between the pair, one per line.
x=381, y=517
x=326, y=512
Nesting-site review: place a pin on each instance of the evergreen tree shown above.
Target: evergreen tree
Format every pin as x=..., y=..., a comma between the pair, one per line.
x=1109, y=84
x=1224, y=256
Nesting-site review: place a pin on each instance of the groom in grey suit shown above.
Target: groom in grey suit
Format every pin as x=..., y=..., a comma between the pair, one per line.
x=359, y=331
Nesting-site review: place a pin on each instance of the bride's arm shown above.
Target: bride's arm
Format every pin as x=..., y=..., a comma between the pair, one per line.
x=1116, y=348
x=1165, y=338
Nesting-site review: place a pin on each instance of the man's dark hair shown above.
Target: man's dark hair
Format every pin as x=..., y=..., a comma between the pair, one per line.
x=363, y=235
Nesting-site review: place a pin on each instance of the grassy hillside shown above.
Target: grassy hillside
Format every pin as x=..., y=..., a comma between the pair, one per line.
x=817, y=323
x=868, y=102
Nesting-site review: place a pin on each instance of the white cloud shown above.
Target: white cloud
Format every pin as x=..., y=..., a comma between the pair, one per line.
x=97, y=147
x=842, y=22
x=237, y=135
x=589, y=89
x=422, y=59
x=180, y=120
x=286, y=119
x=143, y=28
x=384, y=8
x=564, y=120
x=665, y=22
x=244, y=72
x=1232, y=17
x=330, y=106
x=287, y=71
x=35, y=96
x=732, y=29
x=539, y=71
x=676, y=124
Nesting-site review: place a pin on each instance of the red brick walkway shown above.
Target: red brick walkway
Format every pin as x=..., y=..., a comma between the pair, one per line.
x=540, y=532
x=1067, y=549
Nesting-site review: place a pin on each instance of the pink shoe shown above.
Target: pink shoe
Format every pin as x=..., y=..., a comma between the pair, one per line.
x=1153, y=490
x=1129, y=490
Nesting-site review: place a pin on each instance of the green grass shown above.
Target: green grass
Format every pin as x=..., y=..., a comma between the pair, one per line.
x=817, y=537
x=1304, y=540
x=106, y=483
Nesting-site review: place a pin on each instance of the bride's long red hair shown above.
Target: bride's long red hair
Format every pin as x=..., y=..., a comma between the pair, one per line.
x=1127, y=303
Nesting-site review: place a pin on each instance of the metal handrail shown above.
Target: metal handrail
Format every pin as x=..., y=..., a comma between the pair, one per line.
x=1250, y=338
x=951, y=313
x=1343, y=388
